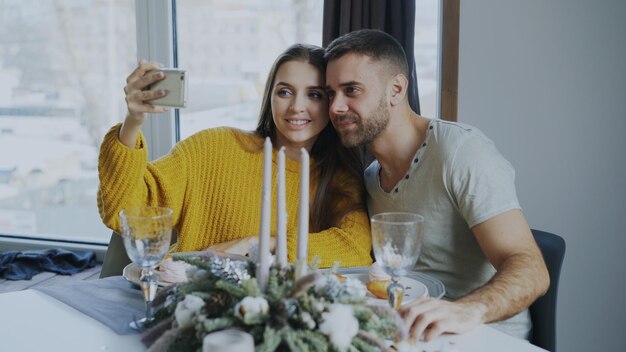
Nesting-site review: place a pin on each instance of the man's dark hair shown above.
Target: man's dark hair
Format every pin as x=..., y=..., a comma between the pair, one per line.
x=376, y=44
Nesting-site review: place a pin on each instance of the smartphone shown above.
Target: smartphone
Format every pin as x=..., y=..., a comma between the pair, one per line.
x=175, y=82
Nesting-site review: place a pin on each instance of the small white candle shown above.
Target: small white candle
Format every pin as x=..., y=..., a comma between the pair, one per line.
x=281, y=212
x=303, y=212
x=263, y=269
x=228, y=340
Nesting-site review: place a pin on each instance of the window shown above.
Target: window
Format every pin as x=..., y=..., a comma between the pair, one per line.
x=427, y=54
x=226, y=83
x=62, y=66
x=228, y=47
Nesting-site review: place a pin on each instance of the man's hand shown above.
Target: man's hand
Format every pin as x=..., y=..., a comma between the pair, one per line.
x=432, y=317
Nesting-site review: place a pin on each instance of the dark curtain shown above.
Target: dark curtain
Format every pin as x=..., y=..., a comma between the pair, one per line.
x=396, y=17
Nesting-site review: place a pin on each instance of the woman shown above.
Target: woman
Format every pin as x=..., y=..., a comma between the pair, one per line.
x=213, y=179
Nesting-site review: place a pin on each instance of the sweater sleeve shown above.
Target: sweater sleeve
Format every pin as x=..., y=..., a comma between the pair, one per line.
x=128, y=180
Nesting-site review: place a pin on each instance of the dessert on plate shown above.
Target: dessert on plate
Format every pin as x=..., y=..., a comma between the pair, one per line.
x=378, y=281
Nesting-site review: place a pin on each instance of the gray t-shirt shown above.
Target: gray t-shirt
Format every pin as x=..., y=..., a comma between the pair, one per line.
x=457, y=180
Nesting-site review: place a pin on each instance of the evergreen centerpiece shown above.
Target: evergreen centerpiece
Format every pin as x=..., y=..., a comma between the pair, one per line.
x=316, y=312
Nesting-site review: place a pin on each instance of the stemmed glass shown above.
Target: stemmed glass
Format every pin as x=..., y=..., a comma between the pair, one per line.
x=397, y=240
x=147, y=232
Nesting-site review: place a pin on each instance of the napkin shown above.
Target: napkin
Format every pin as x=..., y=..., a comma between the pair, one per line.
x=172, y=272
x=15, y=265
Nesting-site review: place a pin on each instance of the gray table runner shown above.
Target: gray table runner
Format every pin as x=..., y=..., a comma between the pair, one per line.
x=112, y=301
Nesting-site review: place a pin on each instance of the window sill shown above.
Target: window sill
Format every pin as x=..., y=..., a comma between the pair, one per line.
x=15, y=243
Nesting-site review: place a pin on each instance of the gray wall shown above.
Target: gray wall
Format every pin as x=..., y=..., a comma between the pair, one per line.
x=546, y=80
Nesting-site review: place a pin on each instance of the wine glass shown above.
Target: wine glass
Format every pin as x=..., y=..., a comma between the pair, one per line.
x=397, y=240
x=147, y=232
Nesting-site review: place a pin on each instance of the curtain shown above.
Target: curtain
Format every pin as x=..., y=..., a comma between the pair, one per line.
x=396, y=17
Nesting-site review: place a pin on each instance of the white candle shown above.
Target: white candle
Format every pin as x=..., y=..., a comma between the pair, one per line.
x=263, y=269
x=281, y=212
x=228, y=340
x=303, y=212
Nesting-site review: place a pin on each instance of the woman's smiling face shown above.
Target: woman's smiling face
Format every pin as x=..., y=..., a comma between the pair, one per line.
x=299, y=104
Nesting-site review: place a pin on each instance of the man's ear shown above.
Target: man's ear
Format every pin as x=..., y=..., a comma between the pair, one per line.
x=398, y=86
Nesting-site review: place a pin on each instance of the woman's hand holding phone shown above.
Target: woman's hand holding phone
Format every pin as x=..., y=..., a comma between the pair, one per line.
x=138, y=97
x=138, y=93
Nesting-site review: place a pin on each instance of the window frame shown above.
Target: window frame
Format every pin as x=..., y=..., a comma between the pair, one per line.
x=156, y=42
x=449, y=60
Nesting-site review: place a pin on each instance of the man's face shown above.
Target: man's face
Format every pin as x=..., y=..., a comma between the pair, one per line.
x=358, y=103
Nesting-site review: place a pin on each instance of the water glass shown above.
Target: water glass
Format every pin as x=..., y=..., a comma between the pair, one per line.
x=147, y=232
x=397, y=240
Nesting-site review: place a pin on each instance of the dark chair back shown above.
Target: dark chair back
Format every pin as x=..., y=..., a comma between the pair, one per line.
x=116, y=258
x=543, y=310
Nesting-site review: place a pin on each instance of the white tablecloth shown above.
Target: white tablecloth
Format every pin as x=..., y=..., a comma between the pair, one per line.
x=33, y=321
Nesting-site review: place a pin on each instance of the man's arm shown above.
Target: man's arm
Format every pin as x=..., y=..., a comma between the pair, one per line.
x=521, y=275
x=521, y=278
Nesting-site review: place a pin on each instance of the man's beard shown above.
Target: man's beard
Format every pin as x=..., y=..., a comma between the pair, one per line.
x=368, y=129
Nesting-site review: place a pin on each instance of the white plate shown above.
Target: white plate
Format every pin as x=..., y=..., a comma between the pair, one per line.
x=412, y=289
x=436, y=289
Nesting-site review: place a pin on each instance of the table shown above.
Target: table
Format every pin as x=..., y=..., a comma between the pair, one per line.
x=33, y=321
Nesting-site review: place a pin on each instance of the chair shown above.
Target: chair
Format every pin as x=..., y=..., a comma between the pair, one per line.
x=543, y=310
x=116, y=258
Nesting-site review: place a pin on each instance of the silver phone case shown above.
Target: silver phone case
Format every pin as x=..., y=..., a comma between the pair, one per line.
x=175, y=82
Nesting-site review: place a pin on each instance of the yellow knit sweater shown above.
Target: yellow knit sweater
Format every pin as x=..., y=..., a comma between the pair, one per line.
x=212, y=180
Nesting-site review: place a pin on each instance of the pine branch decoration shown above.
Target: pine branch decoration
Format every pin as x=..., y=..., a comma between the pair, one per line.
x=304, y=283
x=291, y=314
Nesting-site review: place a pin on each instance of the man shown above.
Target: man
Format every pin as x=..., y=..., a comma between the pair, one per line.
x=477, y=240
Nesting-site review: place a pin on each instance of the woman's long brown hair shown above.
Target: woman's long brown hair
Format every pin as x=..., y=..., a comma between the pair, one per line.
x=331, y=201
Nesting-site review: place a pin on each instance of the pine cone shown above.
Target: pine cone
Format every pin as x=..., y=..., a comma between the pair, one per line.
x=217, y=304
x=155, y=332
x=282, y=311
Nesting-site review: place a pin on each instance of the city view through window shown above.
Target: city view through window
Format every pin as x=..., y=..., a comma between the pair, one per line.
x=63, y=65
x=228, y=47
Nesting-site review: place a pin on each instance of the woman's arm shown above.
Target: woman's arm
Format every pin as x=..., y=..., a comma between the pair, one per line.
x=127, y=179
